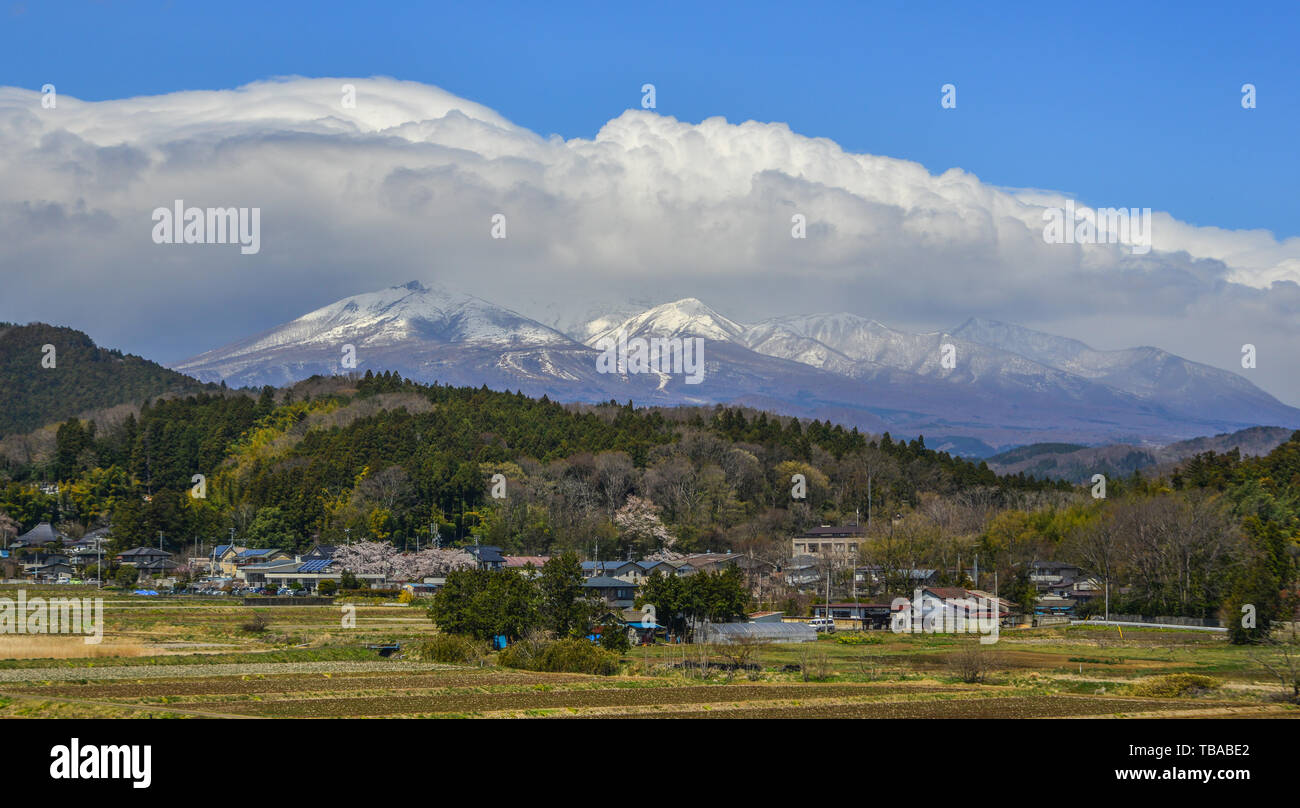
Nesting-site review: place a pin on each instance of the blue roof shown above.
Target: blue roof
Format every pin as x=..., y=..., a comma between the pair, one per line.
x=605, y=582
x=605, y=565
x=316, y=565
x=254, y=553
x=221, y=549
x=487, y=553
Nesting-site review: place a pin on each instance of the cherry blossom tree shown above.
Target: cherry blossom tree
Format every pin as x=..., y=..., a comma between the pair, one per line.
x=433, y=561
x=639, y=526
x=367, y=558
x=382, y=558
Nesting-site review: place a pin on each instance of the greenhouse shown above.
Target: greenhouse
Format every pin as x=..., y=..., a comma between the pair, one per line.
x=726, y=633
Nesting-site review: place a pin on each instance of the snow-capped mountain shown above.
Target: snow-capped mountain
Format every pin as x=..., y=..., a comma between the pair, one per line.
x=1009, y=385
x=682, y=318
x=1149, y=373
x=395, y=324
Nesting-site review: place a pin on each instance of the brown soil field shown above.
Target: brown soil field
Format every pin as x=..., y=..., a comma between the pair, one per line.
x=479, y=702
x=988, y=707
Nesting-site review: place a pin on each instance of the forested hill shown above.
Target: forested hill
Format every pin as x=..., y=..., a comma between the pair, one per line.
x=77, y=377
x=385, y=457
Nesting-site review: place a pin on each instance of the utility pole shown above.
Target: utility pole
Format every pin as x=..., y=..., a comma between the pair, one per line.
x=829, y=568
x=868, y=504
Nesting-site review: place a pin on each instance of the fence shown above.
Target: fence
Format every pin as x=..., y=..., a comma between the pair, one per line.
x=1198, y=622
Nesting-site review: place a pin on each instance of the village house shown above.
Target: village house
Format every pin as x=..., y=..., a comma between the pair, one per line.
x=614, y=591
x=42, y=535
x=842, y=541
x=488, y=556
x=320, y=551
x=142, y=555
x=228, y=559
x=1045, y=574
x=863, y=616
x=625, y=570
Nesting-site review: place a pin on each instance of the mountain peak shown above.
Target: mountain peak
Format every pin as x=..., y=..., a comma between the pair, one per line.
x=1010, y=381
x=687, y=317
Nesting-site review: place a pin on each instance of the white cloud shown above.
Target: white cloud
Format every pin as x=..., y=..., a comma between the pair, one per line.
x=403, y=186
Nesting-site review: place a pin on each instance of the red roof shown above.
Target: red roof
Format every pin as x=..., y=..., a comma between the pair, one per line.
x=948, y=592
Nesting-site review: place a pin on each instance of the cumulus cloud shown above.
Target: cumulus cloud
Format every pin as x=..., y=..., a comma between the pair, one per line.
x=403, y=186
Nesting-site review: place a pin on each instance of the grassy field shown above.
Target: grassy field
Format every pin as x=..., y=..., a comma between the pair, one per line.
x=188, y=658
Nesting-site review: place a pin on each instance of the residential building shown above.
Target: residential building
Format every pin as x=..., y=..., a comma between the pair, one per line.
x=488, y=556
x=41, y=535
x=842, y=541
x=872, y=616
x=615, y=591
x=142, y=555
x=1044, y=574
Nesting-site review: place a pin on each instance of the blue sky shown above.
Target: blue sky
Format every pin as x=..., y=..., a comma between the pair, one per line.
x=1122, y=104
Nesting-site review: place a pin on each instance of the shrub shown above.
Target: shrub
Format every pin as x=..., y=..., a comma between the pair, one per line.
x=577, y=656
x=449, y=649
x=1174, y=685
x=614, y=638
x=126, y=576
x=970, y=664
x=256, y=624
x=524, y=652
x=814, y=663
x=560, y=656
x=328, y=588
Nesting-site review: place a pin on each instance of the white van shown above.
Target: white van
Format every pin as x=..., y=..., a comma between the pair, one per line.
x=822, y=624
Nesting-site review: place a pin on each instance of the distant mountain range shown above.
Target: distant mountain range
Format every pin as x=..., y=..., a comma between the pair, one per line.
x=1062, y=461
x=1010, y=385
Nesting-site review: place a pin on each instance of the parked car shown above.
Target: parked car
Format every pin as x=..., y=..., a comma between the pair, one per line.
x=823, y=624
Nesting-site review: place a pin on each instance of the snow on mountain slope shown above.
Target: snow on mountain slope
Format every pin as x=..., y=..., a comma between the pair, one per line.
x=1149, y=373
x=687, y=317
x=1010, y=385
x=387, y=318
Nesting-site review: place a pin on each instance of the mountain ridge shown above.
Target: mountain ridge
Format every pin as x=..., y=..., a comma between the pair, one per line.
x=83, y=376
x=1009, y=385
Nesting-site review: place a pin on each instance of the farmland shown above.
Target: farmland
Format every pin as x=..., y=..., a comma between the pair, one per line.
x=193, y=658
